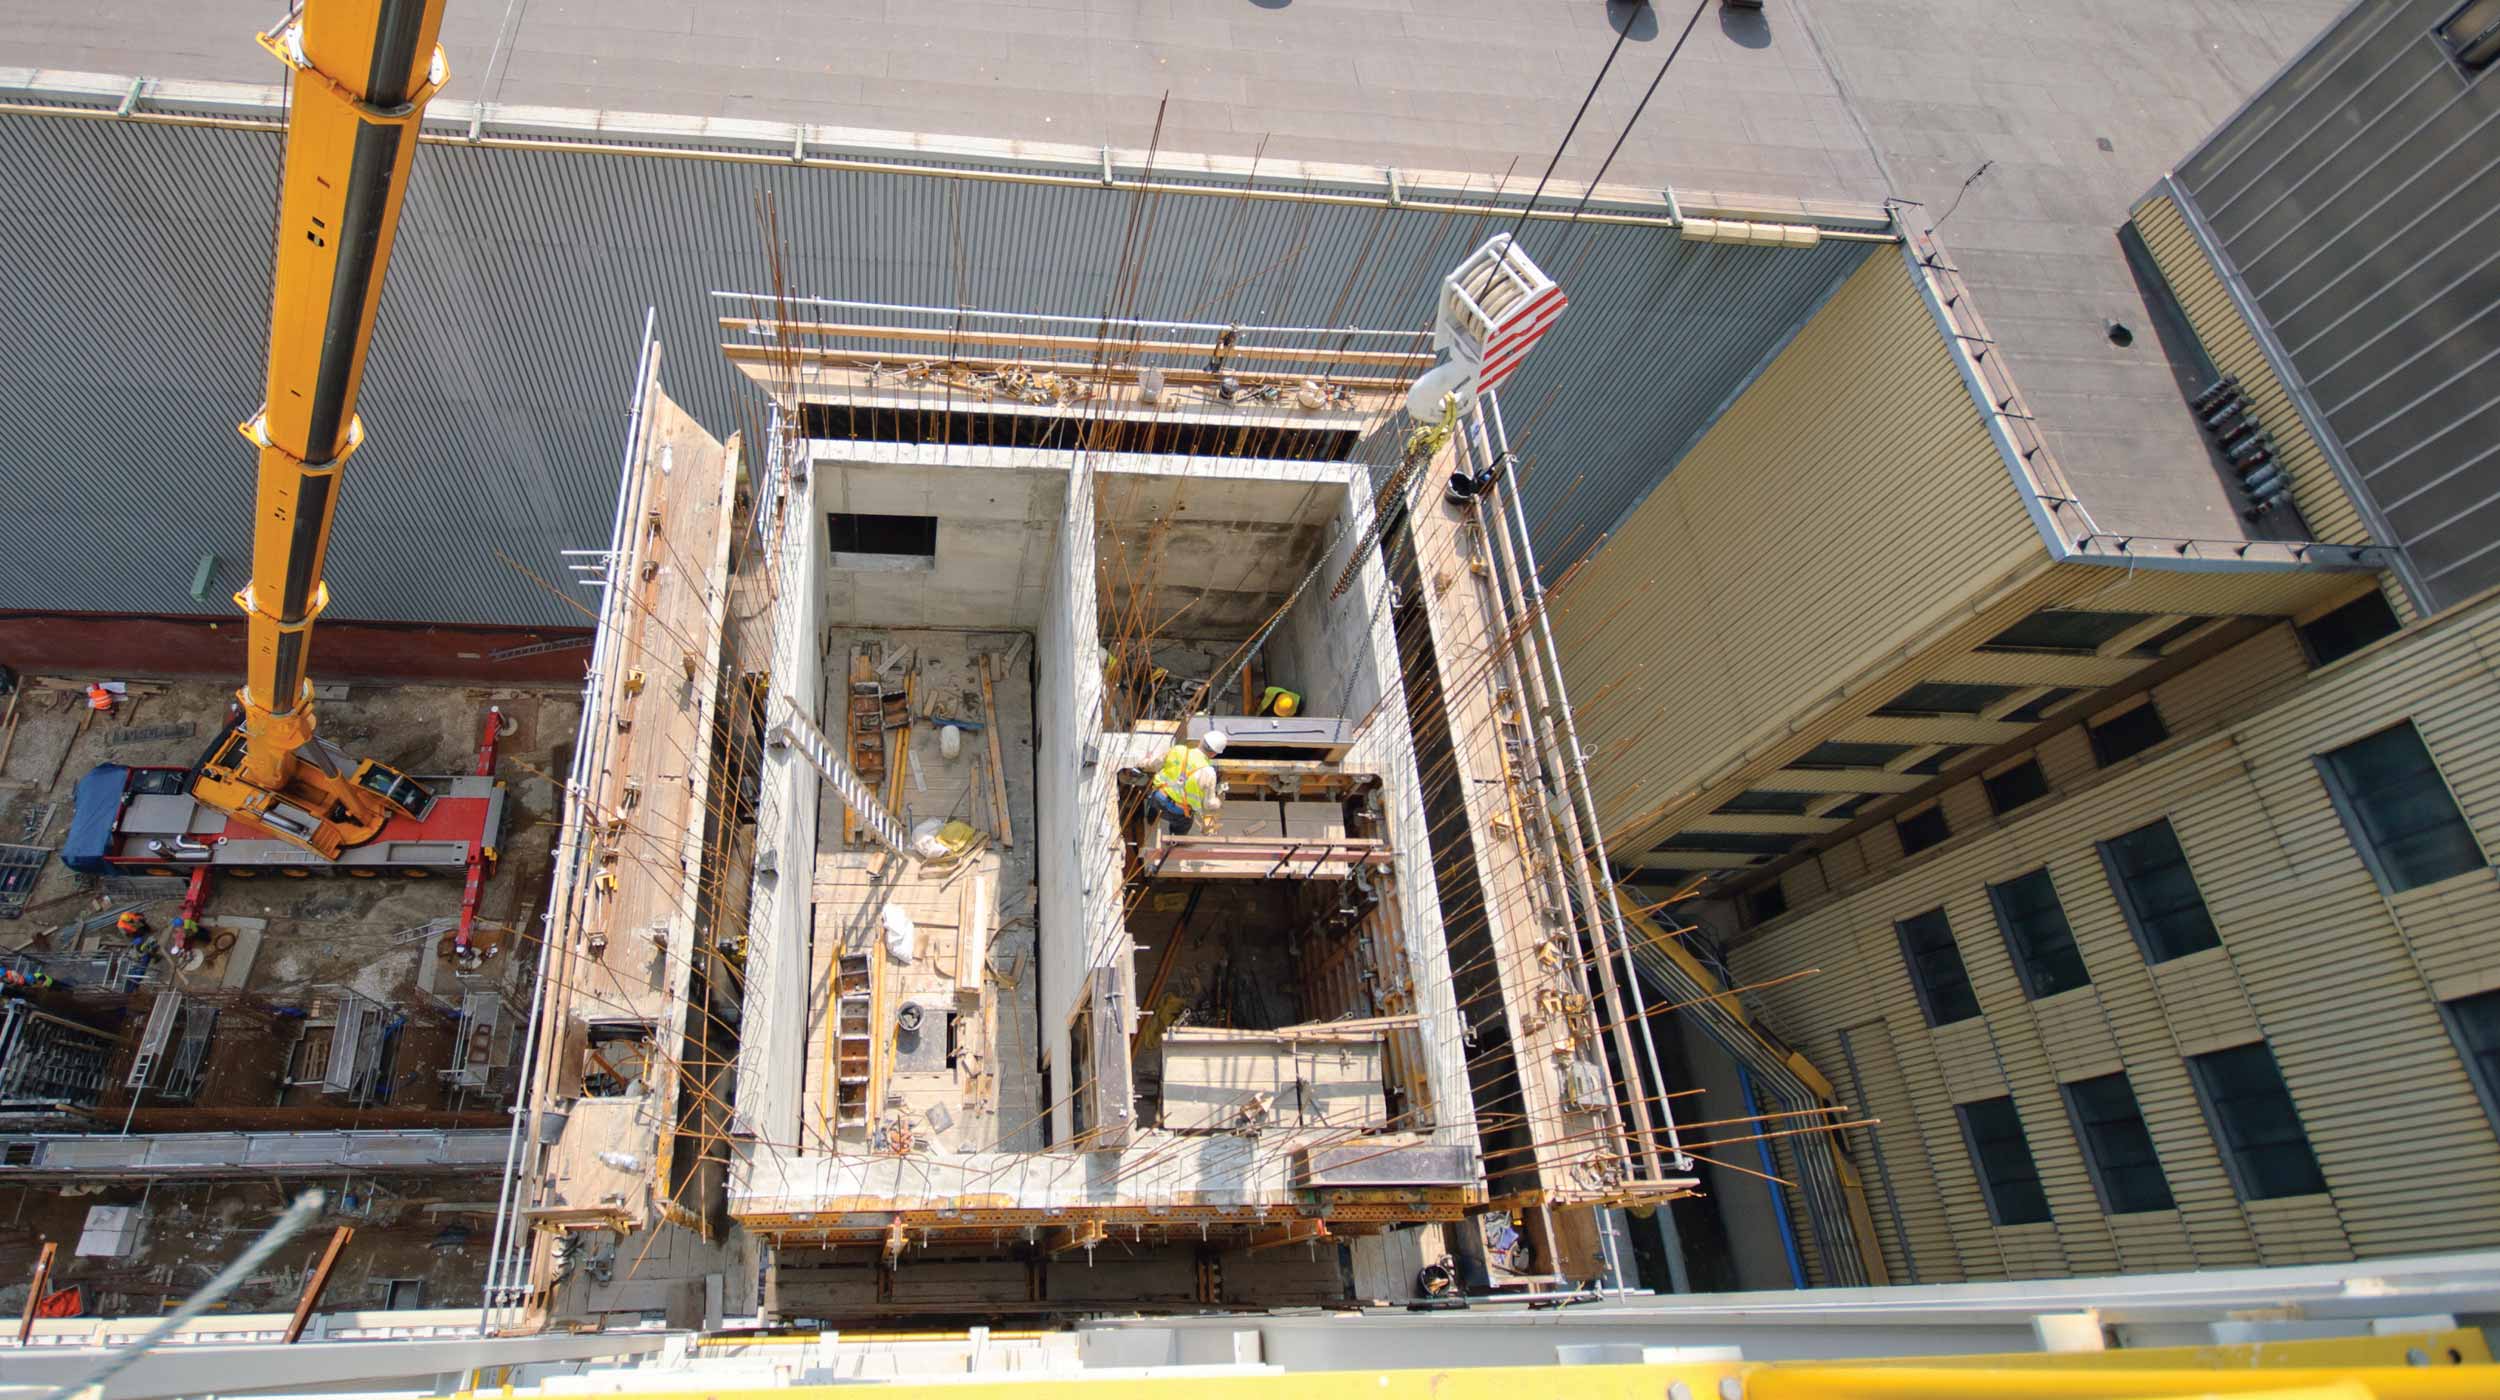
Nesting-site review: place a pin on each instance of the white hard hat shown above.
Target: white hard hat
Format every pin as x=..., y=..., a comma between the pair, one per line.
x=1214, y=741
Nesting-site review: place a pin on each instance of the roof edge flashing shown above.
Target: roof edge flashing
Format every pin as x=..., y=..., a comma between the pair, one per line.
x=73, y=92
x=2064, y=521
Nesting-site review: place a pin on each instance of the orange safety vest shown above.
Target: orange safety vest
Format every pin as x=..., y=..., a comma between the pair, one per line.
x=98, y=698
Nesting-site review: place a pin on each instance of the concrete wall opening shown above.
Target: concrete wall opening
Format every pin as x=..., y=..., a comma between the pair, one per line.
x=1193, y=574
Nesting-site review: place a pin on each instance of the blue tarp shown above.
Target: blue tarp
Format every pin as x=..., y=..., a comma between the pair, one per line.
x=95, y=810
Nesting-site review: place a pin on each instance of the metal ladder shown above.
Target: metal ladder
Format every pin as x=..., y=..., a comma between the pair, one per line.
x=799, y=732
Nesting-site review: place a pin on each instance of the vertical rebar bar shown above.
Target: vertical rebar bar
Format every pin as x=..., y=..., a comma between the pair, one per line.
x=1579, y=771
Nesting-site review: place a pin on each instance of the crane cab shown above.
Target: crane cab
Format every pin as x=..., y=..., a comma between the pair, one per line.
x=316, y=808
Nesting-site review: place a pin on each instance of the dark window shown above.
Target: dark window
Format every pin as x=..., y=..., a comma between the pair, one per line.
x=2032, y=710
x=1767, y=803
x=1766, y=903
x=2252, y=1113
x=1934, y=763
x=1838, y=755
x=2037, y=934
x=2349, y=628
x=1945, y=698
x=2056, y=629
x=1743, y=843
x=2475, y=1020
x=914, y=535
x=1843, y=811
x=1936, y=972
x=1995, y=1133
x=2472, y=34
x=2158, y=893
x=2123, y=736
x=1922, y=829
x=2398, y=809
x=2169, y=636
x=2117, y=1146
x=2024, y=782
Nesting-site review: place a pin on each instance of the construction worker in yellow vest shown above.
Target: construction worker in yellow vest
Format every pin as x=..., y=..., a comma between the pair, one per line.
x=1186, y=787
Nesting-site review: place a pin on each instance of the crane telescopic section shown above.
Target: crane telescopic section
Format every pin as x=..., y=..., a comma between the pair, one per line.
x=363, y=71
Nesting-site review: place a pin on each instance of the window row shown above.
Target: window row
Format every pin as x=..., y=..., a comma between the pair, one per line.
x=2387, y=788
x=2114, y=739
x=2393, y=801
x=2147, y=871
x=2068, y=632
x=2247, y=1107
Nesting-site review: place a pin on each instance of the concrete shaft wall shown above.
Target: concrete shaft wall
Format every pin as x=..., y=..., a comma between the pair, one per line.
x=780, y=914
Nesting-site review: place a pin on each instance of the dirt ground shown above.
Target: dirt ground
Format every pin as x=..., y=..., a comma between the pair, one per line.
x=321, y=932
x=319, y=935
x=435, y=1231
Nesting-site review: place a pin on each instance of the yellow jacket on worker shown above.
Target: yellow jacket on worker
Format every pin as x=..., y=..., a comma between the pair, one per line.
x=1188, y=776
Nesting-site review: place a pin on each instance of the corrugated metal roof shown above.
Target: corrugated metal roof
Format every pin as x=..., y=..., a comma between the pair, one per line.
x=2349, y=205
x=138, y=263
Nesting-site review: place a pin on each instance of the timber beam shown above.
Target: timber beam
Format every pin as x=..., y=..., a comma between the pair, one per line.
x=1084, y=1234
x=1291, y=1232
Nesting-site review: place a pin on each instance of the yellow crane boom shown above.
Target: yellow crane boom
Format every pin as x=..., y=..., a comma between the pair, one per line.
x=363, y=72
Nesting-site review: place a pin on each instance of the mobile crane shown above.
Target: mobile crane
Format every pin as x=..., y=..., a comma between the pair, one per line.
x=364, y=70
x=270, y=793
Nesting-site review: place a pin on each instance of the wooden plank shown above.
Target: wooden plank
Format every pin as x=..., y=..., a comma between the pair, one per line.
x=1391, y=359
x=35, y=1289
x=998, y=766
x=8, y=741
x=902, y=746
x=1365, y=1023
x=771, y=357
x=315, y=1282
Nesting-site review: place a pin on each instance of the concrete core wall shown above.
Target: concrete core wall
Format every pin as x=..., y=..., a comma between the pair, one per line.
x=998, y=516
x=1024, y=539
x=1077, y=866
x=779, y=913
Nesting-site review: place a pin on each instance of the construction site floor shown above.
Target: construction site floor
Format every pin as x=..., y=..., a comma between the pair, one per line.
x=972, y=962
x=429, y=1235
x=308, y=938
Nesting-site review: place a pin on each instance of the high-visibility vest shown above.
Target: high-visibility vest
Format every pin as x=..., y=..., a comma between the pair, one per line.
x=1187, y=777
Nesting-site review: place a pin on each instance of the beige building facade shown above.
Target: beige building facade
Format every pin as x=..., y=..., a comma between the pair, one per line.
x=2282, y=886
x=2114, y=840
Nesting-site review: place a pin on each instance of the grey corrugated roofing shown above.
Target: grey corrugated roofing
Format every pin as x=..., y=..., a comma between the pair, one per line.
x=2073, y=109
x=2353, y=201
x=509, y=324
